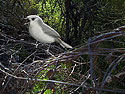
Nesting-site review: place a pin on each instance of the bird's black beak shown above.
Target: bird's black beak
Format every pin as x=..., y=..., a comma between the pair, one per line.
x=27, y=21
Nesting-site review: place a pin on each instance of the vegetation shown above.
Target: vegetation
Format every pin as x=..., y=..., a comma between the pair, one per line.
x=95, y=65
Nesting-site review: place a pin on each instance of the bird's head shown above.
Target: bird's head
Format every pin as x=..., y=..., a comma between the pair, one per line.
x=32, y=18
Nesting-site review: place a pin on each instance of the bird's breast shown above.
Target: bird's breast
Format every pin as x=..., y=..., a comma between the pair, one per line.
x=37, y=33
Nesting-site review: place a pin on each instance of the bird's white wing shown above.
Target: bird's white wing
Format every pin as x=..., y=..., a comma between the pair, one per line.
x=48, y=30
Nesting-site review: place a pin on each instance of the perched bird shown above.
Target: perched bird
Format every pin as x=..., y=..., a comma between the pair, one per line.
x=44, y=33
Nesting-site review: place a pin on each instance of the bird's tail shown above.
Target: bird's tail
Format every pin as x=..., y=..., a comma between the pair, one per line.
x=63, y=44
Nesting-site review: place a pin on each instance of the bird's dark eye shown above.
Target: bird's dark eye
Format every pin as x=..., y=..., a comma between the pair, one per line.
x=33, y=19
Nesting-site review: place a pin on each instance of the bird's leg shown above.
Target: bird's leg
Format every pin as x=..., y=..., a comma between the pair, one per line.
x=36, y=44
x=48, y=48
x=47, y=51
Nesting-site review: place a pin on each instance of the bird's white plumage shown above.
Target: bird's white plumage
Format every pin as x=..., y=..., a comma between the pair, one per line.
x=44, y=33
x=37, y=32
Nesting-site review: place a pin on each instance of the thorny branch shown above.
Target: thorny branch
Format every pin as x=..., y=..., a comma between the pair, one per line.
x=39, y=69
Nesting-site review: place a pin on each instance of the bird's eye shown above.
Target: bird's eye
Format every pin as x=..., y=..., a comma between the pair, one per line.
x=33, y=19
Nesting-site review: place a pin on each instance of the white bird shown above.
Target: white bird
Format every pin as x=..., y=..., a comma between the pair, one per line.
x=44, y=33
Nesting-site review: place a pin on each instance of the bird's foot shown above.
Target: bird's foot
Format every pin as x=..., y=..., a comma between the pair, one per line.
x=47, y=51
